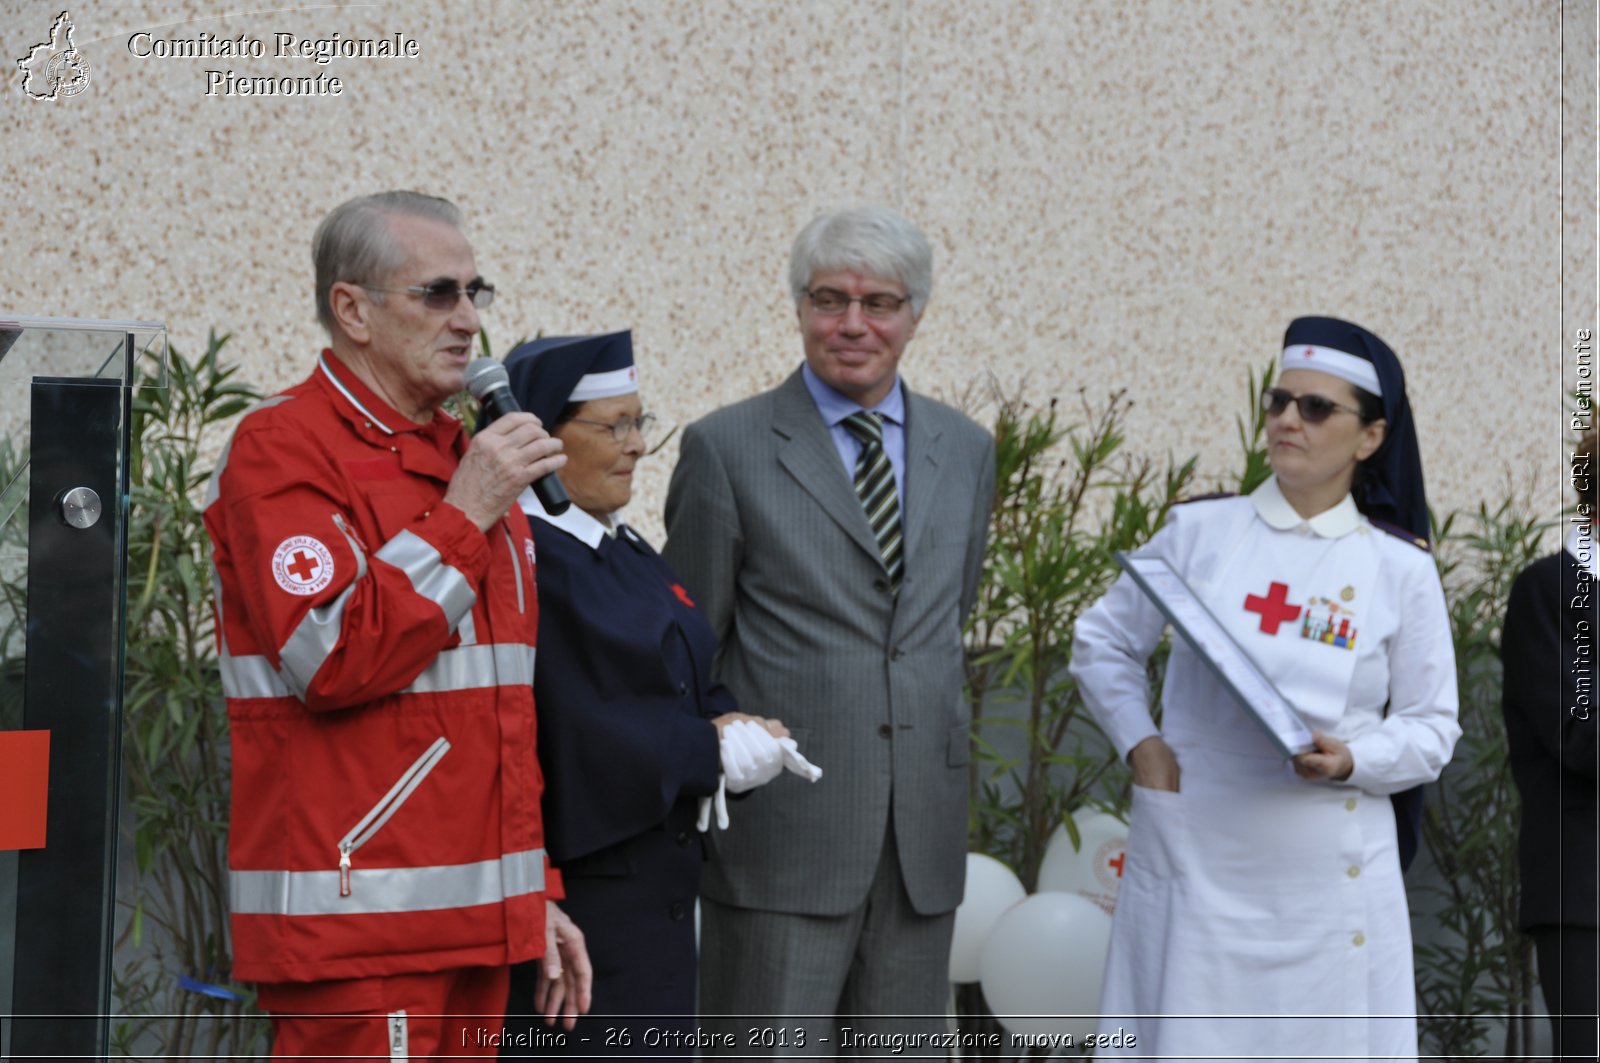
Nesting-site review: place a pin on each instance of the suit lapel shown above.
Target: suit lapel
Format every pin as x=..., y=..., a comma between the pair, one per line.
x=807, y=453
x=924, y=451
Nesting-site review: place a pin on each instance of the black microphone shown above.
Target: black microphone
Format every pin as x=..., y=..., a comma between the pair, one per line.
x=491, y=386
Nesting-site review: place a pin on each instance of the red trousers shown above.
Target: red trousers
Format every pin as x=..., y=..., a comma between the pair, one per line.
x=453, y=1013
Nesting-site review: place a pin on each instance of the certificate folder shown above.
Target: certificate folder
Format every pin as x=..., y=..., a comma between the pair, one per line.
x=1227, y=660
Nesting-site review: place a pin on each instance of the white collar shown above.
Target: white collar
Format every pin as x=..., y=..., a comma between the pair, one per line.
x=575, y=522
x=1581, y=545
x=1273, y=508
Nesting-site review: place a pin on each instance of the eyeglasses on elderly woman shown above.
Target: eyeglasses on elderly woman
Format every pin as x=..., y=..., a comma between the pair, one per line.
x=622, y=426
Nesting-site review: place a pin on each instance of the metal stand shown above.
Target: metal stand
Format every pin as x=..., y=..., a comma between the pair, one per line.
x=76, y=544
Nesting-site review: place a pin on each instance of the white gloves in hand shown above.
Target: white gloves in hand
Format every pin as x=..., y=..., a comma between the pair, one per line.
x=718, y=801
x=797, y=763
x=751, y=757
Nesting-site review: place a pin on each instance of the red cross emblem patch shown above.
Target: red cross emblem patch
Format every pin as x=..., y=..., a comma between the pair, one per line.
x=302, y=565
x=1275, y=608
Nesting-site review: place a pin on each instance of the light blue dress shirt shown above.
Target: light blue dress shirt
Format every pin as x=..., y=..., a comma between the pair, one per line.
x=835, y=407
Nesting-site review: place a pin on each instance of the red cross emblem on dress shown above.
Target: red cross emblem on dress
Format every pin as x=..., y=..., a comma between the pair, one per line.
x=1275, y=608
x=301, y=565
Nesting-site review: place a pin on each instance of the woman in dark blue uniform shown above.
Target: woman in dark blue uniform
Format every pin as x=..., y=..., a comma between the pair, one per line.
x=629, y=718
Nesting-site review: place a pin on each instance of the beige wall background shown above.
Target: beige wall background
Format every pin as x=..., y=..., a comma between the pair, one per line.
x=1120, y=194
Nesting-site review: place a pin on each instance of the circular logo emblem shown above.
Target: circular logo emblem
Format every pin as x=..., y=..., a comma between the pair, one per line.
x=67, y=73
x=302, y=565
x=1108, y=864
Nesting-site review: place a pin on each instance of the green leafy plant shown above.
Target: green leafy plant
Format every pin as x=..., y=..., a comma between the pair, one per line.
x=13, y=580
x=1057, y=523
x=175, y=738
x=1256, y=468
x=1039, y=757
x=1480, y=966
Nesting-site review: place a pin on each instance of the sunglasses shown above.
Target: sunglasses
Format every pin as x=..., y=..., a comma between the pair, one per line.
x=1314, y=409
x=443, y=295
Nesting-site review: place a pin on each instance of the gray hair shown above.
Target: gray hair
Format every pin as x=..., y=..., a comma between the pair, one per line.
x=873, y=240
x=354, y=242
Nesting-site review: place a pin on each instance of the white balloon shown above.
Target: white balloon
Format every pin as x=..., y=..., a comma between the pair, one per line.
x=992, y=887
x=1043, y=965
x=1092, y=871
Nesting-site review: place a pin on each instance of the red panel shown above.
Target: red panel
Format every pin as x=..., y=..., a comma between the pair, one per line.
x=24, y=788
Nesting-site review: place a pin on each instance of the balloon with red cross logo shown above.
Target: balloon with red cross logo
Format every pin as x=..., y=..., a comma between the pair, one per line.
x=1094, y=869
x=302, y=565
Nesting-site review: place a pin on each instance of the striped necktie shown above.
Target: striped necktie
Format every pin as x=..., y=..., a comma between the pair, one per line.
x=874, y=482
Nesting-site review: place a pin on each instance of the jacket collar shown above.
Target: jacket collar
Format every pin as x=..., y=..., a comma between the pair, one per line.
x=431, y=449
x=363, y=405
x=1273, y=508
x=575, y=522
x=835, y=407
x=808, y=454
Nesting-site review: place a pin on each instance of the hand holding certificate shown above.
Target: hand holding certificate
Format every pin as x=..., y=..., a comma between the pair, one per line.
x=1212, y=644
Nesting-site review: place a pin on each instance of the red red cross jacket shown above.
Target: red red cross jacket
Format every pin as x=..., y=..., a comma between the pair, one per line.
x=377, y=653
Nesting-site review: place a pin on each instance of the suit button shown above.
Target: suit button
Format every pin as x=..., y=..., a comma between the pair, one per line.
x=677, y=911
x=683, y=839
x=683, y=690
x=896, y=653
x=881, y=585
x=884, y=730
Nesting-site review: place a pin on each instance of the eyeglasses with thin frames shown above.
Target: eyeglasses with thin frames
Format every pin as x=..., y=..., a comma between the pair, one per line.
x=830, y=302
x=623, y=425
x=1314, y=408
x=443, y=295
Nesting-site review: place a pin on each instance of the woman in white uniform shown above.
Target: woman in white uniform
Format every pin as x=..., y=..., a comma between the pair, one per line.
x=1262, y=912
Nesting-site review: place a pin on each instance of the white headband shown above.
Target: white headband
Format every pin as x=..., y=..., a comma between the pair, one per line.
x=1358, y=371
x=605, y=385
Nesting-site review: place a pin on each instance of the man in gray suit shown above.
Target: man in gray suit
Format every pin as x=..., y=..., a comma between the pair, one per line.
x=833, y=531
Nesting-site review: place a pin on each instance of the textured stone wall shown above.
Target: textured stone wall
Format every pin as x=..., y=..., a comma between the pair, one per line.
x=1120, y=195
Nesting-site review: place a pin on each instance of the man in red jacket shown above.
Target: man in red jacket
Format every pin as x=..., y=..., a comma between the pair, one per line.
x=376, y=619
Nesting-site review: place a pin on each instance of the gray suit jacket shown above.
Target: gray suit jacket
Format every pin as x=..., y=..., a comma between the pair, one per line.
x=766, y=532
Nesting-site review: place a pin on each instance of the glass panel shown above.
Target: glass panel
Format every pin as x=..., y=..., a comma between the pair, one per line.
x=32, y=348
